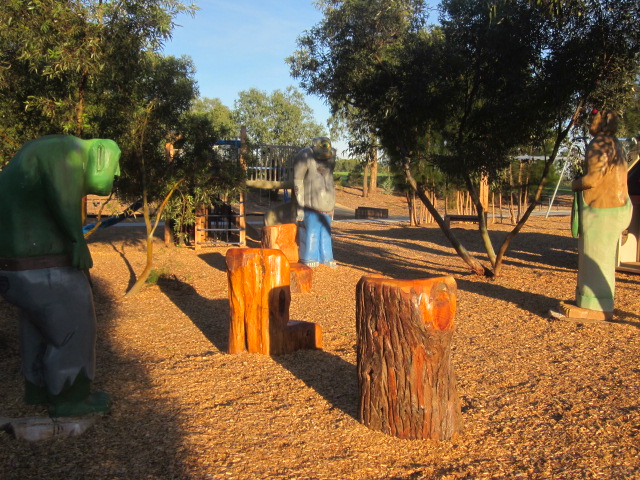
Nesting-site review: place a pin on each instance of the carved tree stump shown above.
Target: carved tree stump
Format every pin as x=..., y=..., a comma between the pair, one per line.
x=406, y=379
x=259, y=300
x=283, y=237
x=300, y=277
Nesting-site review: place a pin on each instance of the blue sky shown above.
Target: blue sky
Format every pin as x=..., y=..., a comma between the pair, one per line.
x=242, y=44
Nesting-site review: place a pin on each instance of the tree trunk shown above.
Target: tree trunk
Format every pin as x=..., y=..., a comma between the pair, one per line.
x=365, y=182
x=373, y=160
x=142, y=278
x=493, y=207
x=405, y=374
x=561, y=135
x=446, y=203
x=484, y=192
x=482, y=218
x=469, y=259
x=373, y=177
x=411, y=205
x=520, y=188
x=435, y=205
x=511, y=212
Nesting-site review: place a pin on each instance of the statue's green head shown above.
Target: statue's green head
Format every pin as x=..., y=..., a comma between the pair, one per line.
x=322, y=149
x=102, y=166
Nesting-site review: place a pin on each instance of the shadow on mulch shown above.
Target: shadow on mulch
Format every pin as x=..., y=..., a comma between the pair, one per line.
x=130, y=235
x=544, y=252
x=552, y=251
x=316, y=368
x=335, y=379
x=111, y=447
x=215, y=260
x=210, y=316
x=624, y=318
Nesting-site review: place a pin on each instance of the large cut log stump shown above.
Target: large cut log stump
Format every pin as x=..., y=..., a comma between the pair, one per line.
x=406, y=379
x=259, y=300
x=283, y=237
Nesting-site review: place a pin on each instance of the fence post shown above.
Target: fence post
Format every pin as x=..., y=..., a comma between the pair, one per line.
x=242, y=219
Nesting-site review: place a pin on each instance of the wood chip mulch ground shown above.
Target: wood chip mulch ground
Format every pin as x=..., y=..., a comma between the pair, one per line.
x=541, y=398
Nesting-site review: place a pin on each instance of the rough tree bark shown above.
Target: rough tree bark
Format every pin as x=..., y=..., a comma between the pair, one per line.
x=406, y=379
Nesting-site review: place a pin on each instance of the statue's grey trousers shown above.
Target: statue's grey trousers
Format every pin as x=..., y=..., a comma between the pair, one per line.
x=57, y=324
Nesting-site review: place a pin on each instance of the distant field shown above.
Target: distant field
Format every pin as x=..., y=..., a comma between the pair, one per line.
x=381, y=177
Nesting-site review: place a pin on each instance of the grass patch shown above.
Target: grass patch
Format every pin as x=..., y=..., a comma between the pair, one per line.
x=156, y=275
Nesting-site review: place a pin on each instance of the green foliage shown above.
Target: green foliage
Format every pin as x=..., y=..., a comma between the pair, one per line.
x=466, y=95
x=354, y=177
x=211, y=172
x=631, y=119
x=162, y=97
x=220, y=116
x=489, y=79
x=70, y=67
x=346, y=164
x=281, y=118
x=387, y=184
x=157, y=275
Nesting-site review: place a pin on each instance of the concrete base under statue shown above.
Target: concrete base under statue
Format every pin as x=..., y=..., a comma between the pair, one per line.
x=569, y=311
x=35, y=429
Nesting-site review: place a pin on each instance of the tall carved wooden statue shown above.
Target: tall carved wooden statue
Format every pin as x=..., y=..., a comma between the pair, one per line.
x=406, y=379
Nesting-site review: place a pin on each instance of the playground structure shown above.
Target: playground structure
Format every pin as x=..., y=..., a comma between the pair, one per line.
x=268, y=167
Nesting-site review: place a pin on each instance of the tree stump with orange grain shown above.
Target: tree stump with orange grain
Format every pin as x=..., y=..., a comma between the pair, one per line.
x=283, y=237
x=259, y=300
x=406, y=378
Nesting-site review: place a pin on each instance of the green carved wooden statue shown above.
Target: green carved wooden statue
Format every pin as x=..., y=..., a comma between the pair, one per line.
x=43, y=260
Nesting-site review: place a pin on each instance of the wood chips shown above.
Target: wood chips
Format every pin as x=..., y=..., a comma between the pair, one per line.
x=541, y=398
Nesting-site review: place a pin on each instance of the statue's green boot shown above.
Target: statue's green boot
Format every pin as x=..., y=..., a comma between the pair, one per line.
x=35, y=394
x=77, y=400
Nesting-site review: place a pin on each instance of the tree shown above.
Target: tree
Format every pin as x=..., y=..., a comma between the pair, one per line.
x=363, y=57
x=48, y=54
x=281, y=118
x=220, y=116
x=208, y=174
x=362, y=144
x=631, y=120
x=62, y=63
x=491, y=79
x=92, y=68
x=161, y=99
